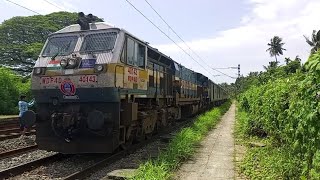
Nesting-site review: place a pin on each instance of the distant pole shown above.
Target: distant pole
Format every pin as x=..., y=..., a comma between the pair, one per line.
x=238, y=70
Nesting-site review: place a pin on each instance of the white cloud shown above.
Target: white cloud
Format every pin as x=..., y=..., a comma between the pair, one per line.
x=247, y=44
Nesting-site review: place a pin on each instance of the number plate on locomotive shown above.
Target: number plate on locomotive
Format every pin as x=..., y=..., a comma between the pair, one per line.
x=88, y=79
x=80, y=80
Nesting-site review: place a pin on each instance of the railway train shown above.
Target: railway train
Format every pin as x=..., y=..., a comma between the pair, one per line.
x=101, y=88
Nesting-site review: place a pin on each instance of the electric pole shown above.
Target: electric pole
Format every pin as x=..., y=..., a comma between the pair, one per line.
x=238, y=70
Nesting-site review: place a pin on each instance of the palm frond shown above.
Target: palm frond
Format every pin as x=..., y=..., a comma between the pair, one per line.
x=308, y=41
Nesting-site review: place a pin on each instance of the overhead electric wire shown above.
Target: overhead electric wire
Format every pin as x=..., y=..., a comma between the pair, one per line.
x=54, y=5
x=183, y=40
x=166, y=35
x=62, y=8
x=23, y=7
x=170, y=37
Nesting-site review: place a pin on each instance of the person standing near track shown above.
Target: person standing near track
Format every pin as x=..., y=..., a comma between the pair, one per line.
x=23, y=107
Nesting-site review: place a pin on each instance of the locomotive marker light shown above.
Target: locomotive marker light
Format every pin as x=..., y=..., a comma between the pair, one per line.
x=98, y=67
x=72, y=63
x=38, y=71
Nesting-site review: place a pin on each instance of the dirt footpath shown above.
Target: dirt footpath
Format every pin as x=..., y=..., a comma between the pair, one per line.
x=214, y=157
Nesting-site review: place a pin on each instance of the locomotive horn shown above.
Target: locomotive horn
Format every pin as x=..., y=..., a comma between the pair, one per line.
x=84, y=20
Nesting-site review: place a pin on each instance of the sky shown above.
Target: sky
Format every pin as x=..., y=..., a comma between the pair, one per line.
x=223, y=34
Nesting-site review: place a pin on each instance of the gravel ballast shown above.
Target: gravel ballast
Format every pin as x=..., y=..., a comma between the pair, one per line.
x=59, y=169
x=23, y=158
x=17, y=143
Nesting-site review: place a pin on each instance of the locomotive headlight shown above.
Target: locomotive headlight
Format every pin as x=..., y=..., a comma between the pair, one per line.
x=63, y=63
x=72, y=62
x=37, y=71
x=98, y=67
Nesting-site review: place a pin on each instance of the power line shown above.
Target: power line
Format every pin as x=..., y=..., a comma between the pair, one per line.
x=227, y=68
x=62, y=8
x=169, y=37
x=183, y=40
x=54, y=5
x=166, y=35
x=23, y=7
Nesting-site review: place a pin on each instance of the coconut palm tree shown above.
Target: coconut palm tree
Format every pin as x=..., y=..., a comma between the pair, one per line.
x=314, y=42
x=276, y=48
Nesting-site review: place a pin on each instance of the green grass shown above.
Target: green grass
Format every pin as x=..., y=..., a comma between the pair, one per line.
x=270, y=163
x=181, y=147
x=274, y=161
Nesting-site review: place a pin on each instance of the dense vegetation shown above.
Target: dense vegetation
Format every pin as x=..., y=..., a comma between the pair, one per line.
x=181, y=147
x=11, y=86
x=282, y=104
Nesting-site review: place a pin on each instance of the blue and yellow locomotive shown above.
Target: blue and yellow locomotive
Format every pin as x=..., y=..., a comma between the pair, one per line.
x=102, y=88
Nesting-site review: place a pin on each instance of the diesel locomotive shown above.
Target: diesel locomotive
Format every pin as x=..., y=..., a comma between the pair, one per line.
x=102, y=88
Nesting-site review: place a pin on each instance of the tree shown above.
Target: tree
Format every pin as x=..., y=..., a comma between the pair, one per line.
x=287, y=60
x=276, y=48
x=314, y=42
x=272, y=65
x=22, y=38
x=292, y=65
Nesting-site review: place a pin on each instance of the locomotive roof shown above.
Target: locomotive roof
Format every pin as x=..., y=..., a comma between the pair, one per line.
x=93, y=26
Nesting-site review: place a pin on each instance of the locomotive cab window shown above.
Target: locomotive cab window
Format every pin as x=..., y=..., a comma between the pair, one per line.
x=135, y=53
x=99, y=42
x=60, y=46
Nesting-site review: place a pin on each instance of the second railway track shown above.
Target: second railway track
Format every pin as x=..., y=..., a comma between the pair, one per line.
x=18, y=151
x=9, y=129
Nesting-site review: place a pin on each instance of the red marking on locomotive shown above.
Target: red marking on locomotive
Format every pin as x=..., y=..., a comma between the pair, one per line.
x=67, y=88
x=133, y=75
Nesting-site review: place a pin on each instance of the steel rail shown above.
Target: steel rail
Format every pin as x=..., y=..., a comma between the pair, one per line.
x=19, y=151
x=19, y=169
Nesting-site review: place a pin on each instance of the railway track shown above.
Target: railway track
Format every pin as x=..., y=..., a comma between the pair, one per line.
x=19, y=151
x=9, y=123
x=99, y=163
x=9, y=129
x=82, y=174
x=15, y=135
x=16, y=170
x=104, y=160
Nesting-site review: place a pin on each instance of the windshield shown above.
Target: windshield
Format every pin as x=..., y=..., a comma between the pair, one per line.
x=99, y=42
x=60, y=46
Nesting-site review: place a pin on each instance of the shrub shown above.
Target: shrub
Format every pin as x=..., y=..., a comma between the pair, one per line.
x=11, y=87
